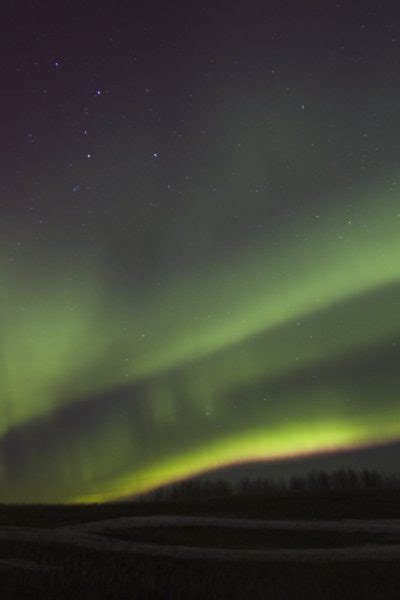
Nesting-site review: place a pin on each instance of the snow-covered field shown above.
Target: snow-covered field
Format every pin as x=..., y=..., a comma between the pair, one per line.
x=345, y=525
x=89, y=535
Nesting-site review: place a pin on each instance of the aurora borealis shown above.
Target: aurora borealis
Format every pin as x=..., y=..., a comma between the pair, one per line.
x=200, y=249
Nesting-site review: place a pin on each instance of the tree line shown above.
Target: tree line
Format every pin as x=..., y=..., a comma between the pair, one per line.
x=339, y=479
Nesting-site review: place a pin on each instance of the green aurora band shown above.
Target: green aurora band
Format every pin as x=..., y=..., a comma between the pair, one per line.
x=278, y=351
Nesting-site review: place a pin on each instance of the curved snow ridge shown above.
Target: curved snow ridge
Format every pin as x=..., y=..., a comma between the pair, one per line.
x=345, y=525
x=91, y=541
x=26, y=565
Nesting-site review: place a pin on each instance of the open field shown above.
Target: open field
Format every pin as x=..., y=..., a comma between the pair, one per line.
x=166, y=550
x=286, y=505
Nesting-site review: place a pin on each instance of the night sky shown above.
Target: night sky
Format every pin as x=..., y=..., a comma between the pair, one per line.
x=199, y=239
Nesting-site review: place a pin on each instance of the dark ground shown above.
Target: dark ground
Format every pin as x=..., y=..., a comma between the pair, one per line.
x=302, y=504
x=62, y=571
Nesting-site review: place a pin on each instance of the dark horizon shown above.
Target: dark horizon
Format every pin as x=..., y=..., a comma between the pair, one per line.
x=385, y=459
